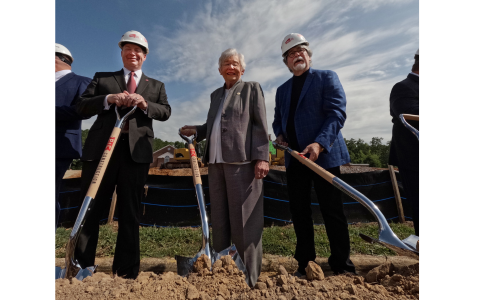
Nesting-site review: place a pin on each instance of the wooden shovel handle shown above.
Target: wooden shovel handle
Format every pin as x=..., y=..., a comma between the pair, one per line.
x=194, y=165
x=103, y=163
x=313, y=166
x=410, y=117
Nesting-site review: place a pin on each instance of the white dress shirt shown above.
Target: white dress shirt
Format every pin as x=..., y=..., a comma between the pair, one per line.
x=137, y=77
x=215, y=150
x=61, y=74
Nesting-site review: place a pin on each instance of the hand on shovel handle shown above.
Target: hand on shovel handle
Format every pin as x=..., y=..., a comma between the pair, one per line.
x=188, y=130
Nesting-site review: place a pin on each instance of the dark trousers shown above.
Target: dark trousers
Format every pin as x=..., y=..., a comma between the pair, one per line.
x=129, y=178
x=62, y=164
x=410, y=184
x=299, y=183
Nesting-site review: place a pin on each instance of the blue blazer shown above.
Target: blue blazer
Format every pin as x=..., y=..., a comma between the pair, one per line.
x=319, y=117
x=68, y=121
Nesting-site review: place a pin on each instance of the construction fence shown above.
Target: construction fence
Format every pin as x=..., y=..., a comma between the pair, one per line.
x=171, y=200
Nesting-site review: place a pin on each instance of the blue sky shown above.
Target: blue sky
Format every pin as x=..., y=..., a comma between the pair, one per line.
x=370, y=44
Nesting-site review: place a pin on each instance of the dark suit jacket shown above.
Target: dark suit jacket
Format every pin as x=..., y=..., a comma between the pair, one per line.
x=140, y=124
x=404, y=145
x=243, y=123
x=68, y=121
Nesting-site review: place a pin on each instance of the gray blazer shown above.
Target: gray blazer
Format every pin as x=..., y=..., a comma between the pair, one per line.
x=243, y=124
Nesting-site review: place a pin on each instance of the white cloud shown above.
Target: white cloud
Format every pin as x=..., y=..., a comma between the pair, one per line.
x=368, y=59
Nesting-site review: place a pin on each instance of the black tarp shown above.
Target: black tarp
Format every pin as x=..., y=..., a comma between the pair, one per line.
x=171, y=200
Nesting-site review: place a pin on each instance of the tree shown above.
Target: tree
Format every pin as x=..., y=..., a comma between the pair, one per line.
x=376, y=153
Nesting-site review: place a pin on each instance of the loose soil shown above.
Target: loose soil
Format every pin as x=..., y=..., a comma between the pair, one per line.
x=225, y=282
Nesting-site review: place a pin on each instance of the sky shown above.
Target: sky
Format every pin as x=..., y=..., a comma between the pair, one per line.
x=369, y=44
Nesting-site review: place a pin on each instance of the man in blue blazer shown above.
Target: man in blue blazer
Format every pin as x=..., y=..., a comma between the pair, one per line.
x=69, y=87
x=309, y=113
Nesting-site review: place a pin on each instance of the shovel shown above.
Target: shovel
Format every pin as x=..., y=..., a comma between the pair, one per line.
x=185, y=264
x=73, y=268
x=386, y=235
x=404, y=117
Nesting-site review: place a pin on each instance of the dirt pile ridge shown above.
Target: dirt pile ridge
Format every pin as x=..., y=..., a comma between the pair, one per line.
x=226, y=282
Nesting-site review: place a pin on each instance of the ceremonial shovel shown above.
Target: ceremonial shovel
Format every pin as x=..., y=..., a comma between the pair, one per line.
x=185, y=264
x=404, y=117
x=73, y=268
x=386, y=235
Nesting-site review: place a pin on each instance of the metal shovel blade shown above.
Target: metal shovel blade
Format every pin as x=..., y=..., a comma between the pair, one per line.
x=80, y=274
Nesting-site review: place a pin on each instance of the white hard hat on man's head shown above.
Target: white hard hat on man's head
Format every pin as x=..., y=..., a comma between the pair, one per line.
x=63, y=50
x=134, y=37
x=292, y=40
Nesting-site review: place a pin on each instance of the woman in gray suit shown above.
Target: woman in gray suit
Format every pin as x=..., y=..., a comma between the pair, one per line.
x=237, y=153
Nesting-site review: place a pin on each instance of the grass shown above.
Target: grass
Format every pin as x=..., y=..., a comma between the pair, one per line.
x=279, y=240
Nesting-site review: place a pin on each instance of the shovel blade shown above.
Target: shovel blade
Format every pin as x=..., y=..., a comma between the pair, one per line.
x=60, y=273
x=185, y=264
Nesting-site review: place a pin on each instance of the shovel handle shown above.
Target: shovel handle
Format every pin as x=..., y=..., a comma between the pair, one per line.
x=410, y=117
x=103, y=163
x=194, y=165
x=306, y=161
x=106, y=156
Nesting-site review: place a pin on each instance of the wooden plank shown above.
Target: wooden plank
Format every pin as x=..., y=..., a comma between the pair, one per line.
x=395, y=187
x=112, y=208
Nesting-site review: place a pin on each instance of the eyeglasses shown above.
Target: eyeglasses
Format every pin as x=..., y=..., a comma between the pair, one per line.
x=292, y=53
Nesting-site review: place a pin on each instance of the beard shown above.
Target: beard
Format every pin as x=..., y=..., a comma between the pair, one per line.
x=301, y=66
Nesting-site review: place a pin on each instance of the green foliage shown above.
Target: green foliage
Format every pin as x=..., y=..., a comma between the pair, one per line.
x=376, y=154
x=278, y=240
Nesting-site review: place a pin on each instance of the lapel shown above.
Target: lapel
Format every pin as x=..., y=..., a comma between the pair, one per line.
x=120, y=79
x=65, y=79
x=307, y=83
x=214, y=107
x=237, y=89
x=142, y=84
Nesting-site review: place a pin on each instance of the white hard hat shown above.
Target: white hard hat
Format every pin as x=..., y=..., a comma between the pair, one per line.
x=417, y=51
x=292, y=40
x=134, y=37
x=63, y=50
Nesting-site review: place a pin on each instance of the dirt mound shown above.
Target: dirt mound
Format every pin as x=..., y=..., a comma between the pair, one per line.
x=226, y=282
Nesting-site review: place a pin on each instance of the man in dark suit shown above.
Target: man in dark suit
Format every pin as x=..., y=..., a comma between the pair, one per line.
x=309, y=113
x=404, y=145
x=129, y=164
x=69, y=87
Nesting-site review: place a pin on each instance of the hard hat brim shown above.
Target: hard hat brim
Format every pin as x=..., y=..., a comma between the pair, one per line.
x=120, y=44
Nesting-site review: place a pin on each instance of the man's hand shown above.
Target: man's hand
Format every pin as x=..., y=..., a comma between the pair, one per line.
x=314, y=149
x=188, y=130
x=281, y=140
x=118, y=99
x=261, y=169
x=138, y=100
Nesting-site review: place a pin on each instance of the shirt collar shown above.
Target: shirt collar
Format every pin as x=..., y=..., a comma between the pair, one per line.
x=414, y=74
x=126, y=71
x=61, y=74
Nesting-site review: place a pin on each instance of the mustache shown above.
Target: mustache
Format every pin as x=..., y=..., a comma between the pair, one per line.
x=298, y=58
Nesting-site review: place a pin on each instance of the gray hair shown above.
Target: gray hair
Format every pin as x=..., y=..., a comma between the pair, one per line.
x=309, y=52
x=230, y=53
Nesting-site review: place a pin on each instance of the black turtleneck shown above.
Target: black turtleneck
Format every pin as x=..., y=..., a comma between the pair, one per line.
x=297, y=84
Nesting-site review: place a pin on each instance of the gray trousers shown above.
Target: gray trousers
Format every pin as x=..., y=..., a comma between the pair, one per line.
x=237, y=213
